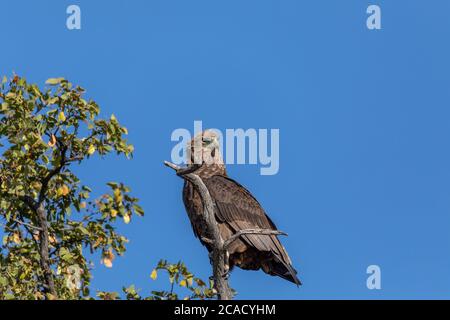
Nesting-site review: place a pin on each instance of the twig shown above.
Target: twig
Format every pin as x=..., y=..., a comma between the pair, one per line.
x=6, y=227
x=27, y=224
x=172, y=165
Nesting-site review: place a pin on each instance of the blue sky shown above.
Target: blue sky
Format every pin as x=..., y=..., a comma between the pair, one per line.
x=363, y=116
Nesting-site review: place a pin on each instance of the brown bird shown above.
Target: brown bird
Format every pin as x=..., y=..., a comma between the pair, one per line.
x=236, y=209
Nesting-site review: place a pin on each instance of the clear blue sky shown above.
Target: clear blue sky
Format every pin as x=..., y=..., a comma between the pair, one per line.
x=363, y=117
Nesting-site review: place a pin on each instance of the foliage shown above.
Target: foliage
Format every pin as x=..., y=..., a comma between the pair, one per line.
x=49, y=220
x=179, y=277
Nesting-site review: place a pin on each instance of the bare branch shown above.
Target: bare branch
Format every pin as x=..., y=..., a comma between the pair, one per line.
x=182, y=172
x=27, y=224
x=6, y=227
x=172, y=165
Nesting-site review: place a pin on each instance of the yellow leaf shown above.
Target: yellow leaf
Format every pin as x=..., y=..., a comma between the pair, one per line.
x=51, y=240
x=126, y=218
x=82, y=205
x=38, y=295
x=16, y=238
x=183, y=283
x=52, y=141
x=50, y=296
x=108, y=258
x=107, y=262
x=62, y=116
x=65, y=190
x=91, y=149
x=154, y=274
x=113, y=213
x=36, y=185
x=118, y=195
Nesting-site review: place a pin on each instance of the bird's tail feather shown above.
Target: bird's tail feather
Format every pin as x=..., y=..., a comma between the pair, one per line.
x=284, y=270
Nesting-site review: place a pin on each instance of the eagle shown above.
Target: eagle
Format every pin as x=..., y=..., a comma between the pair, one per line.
x=235, y=209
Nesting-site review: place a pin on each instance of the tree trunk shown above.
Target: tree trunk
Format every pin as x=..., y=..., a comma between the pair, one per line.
x=44, y=252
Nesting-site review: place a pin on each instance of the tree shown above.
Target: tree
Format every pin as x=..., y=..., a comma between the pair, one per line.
x=43, y=134
x=48, y=218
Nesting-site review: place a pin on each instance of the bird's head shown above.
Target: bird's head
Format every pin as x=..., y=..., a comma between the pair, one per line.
x=205, y=149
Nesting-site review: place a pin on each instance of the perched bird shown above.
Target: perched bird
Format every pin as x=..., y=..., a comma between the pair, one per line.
x=236, y=209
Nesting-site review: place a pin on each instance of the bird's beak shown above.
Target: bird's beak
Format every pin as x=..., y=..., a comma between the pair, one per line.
x=215, y=143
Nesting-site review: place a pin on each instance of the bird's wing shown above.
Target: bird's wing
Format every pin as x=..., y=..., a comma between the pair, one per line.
x=237, y=207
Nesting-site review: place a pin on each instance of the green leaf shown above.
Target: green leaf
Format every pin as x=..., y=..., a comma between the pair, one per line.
x=138, y=209
x=9, y=296
x=54, y=81
x=65, y=254
x=113, y=185
x=3, y=281
x=53, y=101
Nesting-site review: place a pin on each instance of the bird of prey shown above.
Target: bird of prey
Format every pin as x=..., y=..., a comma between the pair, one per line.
x=236, y=209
